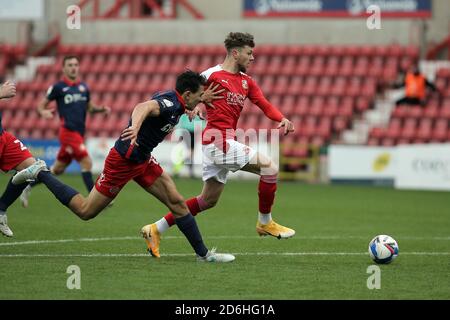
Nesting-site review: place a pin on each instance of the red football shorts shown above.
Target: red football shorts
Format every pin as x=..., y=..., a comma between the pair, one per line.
x=72, y=146
x=118, y=171
x=12, y=152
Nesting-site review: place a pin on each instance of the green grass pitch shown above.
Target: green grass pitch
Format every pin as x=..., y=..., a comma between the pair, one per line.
x=327, y=258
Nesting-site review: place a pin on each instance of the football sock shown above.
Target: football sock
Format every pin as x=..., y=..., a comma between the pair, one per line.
x=162, y=225
x=33, y=183
x=195, y=205
x=266, y=192
x=12, y=192
x=264, y=218
x=61, y=191
x=87, y=179
x=188, y=226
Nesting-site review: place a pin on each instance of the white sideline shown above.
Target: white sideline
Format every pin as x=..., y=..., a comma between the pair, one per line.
x=31, y=242
x=139, y=255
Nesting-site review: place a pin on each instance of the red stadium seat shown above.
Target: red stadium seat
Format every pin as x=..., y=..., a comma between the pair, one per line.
x=394, y=128
x=409, y=129
x=424, y=130
x=288, y=66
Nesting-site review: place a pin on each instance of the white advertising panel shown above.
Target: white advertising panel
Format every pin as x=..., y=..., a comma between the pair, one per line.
x=361, y=162
x=423, y=167
x=21, y=9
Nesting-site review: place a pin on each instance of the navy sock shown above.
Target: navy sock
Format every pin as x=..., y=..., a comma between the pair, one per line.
x=87, y=179
x=188, y=226
x=12, y=192
x=35, y=182
x=61, y=191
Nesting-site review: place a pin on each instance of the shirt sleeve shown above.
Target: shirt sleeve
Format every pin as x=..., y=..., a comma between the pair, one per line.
x=88, y=93
x=52, y=92
x=257, y=97
x=166, y=108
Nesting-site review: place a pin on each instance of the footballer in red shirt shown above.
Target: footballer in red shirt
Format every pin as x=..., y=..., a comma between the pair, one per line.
x=13, y=155
x=221, y=152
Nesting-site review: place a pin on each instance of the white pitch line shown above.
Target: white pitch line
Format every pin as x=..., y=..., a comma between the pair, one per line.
x=139, y=255
x=56, y=241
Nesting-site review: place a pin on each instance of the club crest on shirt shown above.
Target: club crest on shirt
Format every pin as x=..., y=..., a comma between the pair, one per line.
x=244, y=84
x=81, y=88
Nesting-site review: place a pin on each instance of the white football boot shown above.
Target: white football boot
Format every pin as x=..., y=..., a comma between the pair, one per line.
x=25, y=195
x=213, y=256
x=30, y=174
x=4, y=226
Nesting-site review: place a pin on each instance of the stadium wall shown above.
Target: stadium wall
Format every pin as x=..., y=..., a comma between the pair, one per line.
x=223, y=16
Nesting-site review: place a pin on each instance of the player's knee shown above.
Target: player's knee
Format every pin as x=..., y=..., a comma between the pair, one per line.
x=57, y=171
x=178, y=202
x=86, y=164
x=270, y=171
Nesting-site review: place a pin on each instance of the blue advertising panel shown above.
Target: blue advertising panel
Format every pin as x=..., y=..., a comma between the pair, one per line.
x=47, y=151
x=336, y=8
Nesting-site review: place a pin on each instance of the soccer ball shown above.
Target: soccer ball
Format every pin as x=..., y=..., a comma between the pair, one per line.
x=383, y=249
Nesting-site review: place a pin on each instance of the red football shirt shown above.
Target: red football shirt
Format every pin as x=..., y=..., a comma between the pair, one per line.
x=224, y=116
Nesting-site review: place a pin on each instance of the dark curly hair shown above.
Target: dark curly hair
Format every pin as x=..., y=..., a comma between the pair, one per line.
x=189, y=81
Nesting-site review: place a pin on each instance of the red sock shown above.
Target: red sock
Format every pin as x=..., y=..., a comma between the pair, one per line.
x=194, y=208
x=266, y=193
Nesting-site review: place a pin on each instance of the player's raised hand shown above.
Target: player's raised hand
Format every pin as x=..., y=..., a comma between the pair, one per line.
x=210, y=94
x=106, y=110
x=195, y=112
x=288, y=126
x=46, y=113
x=8, y=90
x=130, y=133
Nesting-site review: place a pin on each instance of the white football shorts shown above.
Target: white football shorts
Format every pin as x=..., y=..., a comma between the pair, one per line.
x=217, y=164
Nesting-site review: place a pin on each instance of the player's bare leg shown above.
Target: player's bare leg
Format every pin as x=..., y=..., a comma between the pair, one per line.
x=88, y=208
x=59, y=167
x=268, y=171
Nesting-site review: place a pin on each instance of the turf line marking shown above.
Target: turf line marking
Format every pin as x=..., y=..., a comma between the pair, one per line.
x=32, y=242
x=132, y=255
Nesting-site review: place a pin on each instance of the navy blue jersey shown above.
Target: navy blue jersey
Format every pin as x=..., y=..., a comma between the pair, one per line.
x=153, y=129
x=72, y=100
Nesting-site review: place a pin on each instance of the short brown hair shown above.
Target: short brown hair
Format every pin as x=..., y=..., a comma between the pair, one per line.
x=68, y=58
x=239, y=40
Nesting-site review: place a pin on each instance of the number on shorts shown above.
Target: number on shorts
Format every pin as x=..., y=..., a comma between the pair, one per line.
x=22, y=147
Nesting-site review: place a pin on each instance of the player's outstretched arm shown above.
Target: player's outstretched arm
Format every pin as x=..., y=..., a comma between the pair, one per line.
x=140, y=112
x=43, y=110
x=7, y=90
x=92, y=108
x=211, y=94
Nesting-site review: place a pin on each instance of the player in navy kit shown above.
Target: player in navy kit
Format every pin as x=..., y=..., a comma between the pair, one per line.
x=131, y=159
x=73, y=102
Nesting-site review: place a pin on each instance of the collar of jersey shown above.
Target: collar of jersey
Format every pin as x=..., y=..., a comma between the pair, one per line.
x=181, y=100
x=70, y=82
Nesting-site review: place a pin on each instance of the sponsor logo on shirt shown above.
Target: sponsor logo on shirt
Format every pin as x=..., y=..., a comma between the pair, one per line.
x=235, y=99
x=244, y=84
x=72, y=98
x=167, y=103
